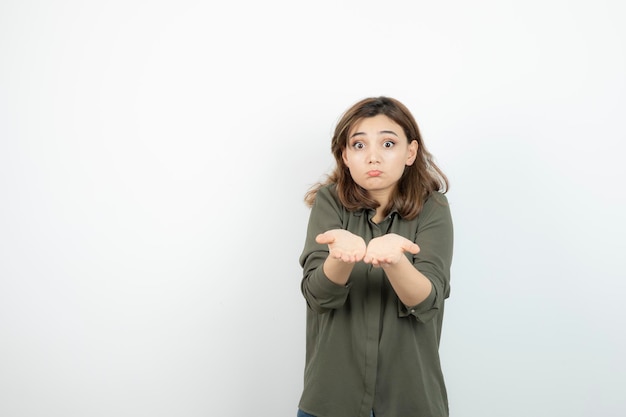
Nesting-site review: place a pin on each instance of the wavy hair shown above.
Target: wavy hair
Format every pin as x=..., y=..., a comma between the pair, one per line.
x=418, y=181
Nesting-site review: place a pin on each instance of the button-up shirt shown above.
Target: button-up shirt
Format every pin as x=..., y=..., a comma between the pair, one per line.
x=365, y=349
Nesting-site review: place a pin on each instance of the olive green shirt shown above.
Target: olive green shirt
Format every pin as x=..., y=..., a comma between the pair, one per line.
x=365, y=349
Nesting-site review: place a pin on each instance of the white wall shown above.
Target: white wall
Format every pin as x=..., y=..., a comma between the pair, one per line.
x=153, y=159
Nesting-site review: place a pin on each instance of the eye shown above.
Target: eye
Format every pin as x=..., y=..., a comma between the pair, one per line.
x=388, y=144
x=358, y=145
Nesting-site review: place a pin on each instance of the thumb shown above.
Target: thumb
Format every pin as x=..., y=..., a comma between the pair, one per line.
x=324, y=238
x=411, y=247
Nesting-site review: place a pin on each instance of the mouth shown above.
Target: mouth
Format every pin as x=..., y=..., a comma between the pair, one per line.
x=374, y=173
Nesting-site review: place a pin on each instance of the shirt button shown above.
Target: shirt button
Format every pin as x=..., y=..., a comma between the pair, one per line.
x=412, y=310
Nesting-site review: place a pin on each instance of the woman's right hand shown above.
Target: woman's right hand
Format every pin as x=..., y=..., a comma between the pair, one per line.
x=343, y=245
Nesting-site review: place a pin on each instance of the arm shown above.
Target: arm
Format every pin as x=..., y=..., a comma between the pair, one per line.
x=421, y=281
x=387, y=252
x=345, y=249
x=325, y=283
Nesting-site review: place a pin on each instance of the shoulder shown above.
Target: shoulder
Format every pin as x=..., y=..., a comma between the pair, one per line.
x=327, y=212
x=327, y=202
x=436, y=205
x=436, y=197
x=327, y=193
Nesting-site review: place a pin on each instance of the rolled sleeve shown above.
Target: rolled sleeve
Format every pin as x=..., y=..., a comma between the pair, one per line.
x=321, y=293
x=423, y=311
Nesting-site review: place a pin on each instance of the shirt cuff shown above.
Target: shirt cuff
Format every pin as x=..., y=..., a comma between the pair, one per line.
x=423, y=311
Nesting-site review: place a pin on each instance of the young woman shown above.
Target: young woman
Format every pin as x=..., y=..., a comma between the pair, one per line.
x=376, y=271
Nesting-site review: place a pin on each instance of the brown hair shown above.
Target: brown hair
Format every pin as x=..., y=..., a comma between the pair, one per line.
x=418, y=181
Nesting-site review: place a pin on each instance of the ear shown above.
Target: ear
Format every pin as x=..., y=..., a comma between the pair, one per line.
x=344, y=157
x=413, y=146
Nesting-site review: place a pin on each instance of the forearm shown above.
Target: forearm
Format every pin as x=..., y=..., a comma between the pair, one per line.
x=409, y=284
x=337, y=271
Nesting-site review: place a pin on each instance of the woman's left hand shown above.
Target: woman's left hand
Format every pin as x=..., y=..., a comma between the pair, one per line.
x=388, y=250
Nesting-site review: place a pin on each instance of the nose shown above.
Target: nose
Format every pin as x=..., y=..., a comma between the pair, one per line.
x=373, y=157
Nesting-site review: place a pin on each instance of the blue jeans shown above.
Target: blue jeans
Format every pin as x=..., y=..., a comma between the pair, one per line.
x=303, y=414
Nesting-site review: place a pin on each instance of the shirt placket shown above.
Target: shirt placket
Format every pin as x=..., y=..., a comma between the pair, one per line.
x=373, y=312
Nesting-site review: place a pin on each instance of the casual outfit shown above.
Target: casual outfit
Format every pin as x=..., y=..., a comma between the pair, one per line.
x=365, y=349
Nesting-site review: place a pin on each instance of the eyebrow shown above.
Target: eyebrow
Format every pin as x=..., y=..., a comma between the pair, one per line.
x=381, y=132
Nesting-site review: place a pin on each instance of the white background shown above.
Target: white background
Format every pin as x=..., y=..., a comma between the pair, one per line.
x=153, y=160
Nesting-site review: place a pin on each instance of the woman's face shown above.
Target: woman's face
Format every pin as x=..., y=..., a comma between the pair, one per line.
x=376, y=153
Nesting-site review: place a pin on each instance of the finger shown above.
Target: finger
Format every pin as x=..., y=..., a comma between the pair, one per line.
x=324, y=238
x=411, y=247
x=355, y=257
